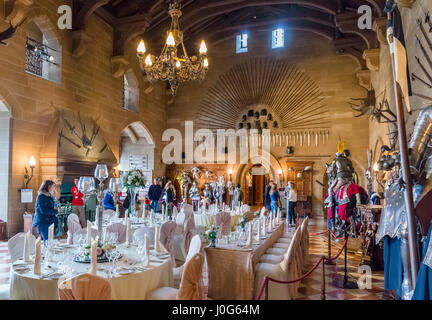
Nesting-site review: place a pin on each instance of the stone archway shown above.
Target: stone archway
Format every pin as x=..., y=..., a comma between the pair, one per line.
x=137, y=148
x=271, y=168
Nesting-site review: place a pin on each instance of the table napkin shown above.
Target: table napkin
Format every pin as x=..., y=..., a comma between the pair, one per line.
x=128, y=232
x=146, y=251
x=26, y=249
x=264, y=228
x=92, y=269
x=258, y=234
x=249, y=241
x=156, y=240
x=37, y=263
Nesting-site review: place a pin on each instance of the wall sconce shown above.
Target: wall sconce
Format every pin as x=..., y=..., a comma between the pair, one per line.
x=230, y=171
x=280, y=177
x=27, y=177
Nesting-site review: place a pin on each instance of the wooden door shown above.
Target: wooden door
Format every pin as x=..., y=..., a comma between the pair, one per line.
x=258, y=187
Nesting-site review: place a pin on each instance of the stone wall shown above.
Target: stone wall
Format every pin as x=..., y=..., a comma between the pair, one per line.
x=382, y=80
x=336, y=77
x=87, y=85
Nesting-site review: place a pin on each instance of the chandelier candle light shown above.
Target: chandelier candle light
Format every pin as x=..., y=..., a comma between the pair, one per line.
x=174, y=65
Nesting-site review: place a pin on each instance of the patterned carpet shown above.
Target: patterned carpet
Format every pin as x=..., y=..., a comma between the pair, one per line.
x=310, y=288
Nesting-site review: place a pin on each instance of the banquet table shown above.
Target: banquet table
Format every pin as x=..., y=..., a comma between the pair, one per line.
x=207, y=220
x=24, y=285
x=231, y=268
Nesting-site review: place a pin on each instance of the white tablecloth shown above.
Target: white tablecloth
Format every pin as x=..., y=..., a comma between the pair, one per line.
x=134, y=286
x=207, y=220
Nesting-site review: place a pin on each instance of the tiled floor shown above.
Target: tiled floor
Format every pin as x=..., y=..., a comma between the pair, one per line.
x=310, y=288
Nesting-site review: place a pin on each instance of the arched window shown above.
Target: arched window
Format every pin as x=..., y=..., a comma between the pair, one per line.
x=43, y=51
x=130, y=92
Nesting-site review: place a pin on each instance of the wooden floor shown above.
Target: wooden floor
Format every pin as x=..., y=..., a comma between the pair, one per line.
x=310, y=288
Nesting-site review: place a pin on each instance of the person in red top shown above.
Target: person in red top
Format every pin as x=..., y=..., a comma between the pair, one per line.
x=78, y=203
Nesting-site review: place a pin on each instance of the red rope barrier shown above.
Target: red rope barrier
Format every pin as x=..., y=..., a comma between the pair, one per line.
x=334, y=236
x=267, y=279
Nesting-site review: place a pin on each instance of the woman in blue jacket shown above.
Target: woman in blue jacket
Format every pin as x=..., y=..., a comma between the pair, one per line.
x=108, y=201
x=274, y=198
x=46, y=209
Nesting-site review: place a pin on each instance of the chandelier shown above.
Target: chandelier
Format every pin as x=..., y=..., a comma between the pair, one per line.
x=174, y=65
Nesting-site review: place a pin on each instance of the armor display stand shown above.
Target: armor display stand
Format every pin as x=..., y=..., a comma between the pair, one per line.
x=340, y=281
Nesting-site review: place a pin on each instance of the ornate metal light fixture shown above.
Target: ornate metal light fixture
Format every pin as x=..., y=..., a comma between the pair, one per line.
x=174, y=65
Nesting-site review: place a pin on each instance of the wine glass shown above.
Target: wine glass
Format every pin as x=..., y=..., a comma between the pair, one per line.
x=109, y=255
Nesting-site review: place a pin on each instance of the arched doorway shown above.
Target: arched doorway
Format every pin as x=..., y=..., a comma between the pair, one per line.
x=5, y=117
x=255, y=175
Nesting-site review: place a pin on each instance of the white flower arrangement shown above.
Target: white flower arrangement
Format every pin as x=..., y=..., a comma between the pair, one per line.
x=134, y=178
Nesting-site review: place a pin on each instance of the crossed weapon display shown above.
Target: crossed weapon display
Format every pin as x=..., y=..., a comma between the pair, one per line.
x=85, y=141
x=424, y=52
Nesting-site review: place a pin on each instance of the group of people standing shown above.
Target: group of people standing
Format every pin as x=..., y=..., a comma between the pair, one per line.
x=272, y=200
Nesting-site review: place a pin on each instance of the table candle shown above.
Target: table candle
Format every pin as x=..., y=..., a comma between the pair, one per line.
x=37, y=263
x=117, y=210
x=271, y=223
x=26, y=250
x=264, y=229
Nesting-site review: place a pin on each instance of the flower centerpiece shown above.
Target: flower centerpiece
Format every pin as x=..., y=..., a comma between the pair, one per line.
x=244, y=219
x=132, y=180
x=101, y=252
x=211, y=235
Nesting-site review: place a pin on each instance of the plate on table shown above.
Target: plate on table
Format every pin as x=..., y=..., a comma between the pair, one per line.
x=125, y=271
x=21, y=267
x=55, y=276
x=66, y=246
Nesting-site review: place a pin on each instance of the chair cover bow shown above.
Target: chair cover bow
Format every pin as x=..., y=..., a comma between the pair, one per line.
x=85, y=287
x=223, y=220
x=191, y=284
x=167, y=238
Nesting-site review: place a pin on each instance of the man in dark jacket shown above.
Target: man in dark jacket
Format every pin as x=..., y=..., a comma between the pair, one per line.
x=154, y=194
x=267, y=195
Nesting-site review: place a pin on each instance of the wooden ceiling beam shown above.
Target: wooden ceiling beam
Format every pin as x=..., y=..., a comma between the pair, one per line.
x=201, y=10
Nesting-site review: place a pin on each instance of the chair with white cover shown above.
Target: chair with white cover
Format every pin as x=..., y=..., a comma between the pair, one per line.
x=140, y=233
x=305, y=241
x=286, y=270
x=83, y=233
x=167, y=237
x=185, y=227
x=190, y=286
x=194, y=248
x=16, y=246
x=174, y=212
x=85, y=287
x=118, y=228
x=74, y=226
x=109, y=214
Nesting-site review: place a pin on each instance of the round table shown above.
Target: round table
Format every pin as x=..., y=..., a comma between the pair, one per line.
x=133, y=286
